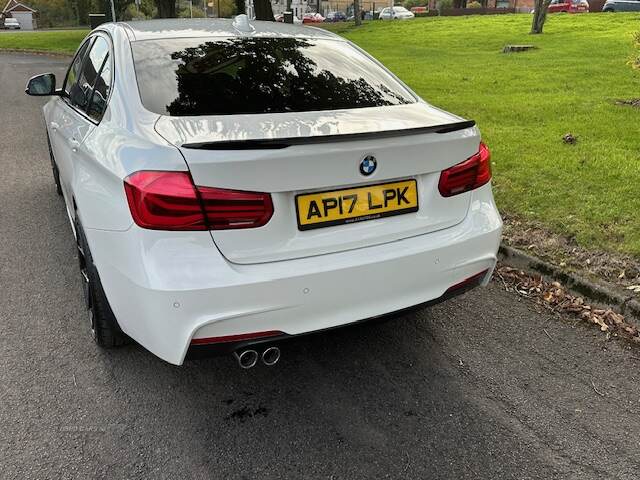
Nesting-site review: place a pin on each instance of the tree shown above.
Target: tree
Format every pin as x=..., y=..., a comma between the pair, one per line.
x=166, y=8
x=119, y=5
x=81, y=8
x=148, y=8
x=56, y=13
x=226, y=8
x=263, y=10
x=356, y=12
x=539, y=16
x=279, y=76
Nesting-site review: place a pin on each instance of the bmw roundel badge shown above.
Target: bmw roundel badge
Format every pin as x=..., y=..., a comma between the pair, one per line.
x=368, y=165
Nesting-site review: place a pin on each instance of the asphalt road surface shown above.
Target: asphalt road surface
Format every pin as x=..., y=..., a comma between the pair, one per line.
x=470, y=389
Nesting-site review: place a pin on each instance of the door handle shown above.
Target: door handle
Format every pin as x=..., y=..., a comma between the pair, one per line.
x=54, y=126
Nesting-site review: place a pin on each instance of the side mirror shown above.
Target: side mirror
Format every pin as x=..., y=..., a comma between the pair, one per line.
x=41, y=85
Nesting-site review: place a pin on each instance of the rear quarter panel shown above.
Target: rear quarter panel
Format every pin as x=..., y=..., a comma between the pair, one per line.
x=122, y=143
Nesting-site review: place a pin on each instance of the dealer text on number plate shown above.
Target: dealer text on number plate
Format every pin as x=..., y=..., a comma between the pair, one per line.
x=337, y=207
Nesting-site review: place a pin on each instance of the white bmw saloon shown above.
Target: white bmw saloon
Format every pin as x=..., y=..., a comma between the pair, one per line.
x=231, y=184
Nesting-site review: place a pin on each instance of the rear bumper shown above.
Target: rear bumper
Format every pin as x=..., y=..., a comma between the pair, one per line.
x=200, y=347
x=168, y=288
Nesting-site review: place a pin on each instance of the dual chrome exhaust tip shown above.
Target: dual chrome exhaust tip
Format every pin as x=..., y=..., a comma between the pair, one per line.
x=249, y=358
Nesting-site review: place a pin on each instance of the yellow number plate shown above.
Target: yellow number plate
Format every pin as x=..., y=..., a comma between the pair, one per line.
x=324, y=209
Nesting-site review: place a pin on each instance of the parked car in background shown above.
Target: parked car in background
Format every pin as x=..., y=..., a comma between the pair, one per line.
x=363, y=16
x=336, y=17
x=231, y=184
x=312, y=18
x=396, y=13
x=11, y=24
x=280, y=18
x=621, y=6
x=569, y=6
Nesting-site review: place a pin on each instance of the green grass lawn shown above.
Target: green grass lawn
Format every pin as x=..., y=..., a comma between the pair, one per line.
x=60, y=41
x=524, y=103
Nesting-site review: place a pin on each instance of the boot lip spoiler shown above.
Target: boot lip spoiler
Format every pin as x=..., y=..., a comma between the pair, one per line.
x=279, y=143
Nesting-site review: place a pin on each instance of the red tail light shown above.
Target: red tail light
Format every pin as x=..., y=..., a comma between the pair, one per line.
x=164, y=201
x=234, y=208
x=170, y=201
x=468, y=175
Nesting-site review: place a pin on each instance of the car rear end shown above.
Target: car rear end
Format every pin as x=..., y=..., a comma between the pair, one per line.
x=319, y=191
x=579, y=6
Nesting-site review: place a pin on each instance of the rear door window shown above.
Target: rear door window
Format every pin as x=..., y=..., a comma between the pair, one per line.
x=241, y=75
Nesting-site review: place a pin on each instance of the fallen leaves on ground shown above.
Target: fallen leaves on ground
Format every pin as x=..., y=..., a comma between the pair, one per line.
x=531, y=236
x=556, y=298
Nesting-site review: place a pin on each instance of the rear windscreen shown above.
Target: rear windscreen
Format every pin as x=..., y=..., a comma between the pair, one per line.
x=180, y=77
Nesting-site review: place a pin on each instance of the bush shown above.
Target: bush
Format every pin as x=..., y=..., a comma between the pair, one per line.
x=409, y=4
x=474, y=4
x=444, y=5
x=185, y=12
x=132, y=13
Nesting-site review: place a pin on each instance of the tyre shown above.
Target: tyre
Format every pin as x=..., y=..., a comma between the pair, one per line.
x=103, y=324
x=54, y=168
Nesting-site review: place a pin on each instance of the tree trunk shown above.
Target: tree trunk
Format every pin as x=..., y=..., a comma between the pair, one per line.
x=356, y=12
x=263, y=10
x=166, y=8
x=539, y=16
x=81, y=9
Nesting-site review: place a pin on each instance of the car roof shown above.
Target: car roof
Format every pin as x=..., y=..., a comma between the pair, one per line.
x=217, y=27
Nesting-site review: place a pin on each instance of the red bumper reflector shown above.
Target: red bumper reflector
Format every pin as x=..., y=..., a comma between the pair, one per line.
x=236, y=338
x=474, y=279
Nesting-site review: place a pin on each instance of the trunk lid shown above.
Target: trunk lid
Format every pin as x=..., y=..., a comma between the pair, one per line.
x=289, y=154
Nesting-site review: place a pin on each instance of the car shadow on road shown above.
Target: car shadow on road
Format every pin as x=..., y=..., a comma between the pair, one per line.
x=379, y=398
